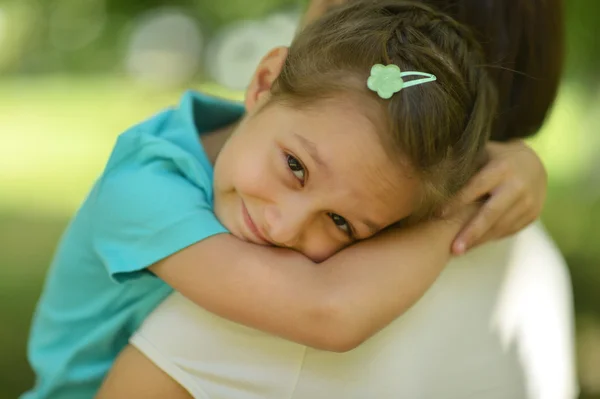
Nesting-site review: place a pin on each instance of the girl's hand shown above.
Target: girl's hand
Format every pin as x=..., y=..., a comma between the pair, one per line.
x=512, y=186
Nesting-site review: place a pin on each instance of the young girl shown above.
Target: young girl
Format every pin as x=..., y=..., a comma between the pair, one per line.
x=333, y=146
x=457, y=340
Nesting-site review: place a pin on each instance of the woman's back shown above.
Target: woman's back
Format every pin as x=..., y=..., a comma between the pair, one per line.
x=497, y=324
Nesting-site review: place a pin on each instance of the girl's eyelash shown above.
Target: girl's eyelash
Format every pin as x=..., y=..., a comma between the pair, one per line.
x=351, y=232
x=296, y=167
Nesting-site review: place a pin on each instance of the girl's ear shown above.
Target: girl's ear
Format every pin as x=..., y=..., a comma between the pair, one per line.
x=268, y=70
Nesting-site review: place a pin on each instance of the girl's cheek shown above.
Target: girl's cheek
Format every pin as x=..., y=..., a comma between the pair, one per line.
x=255, y=177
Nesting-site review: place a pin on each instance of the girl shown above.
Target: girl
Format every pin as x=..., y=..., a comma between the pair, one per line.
x=482, y=330
x=331, y=149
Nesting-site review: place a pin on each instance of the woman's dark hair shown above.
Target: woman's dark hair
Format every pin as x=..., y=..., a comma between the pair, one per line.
x=523, y=41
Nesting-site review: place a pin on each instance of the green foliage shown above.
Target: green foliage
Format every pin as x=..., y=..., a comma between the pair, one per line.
x=35, y=27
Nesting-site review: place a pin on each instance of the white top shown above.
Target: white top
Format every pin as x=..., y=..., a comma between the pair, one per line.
x=497, y=324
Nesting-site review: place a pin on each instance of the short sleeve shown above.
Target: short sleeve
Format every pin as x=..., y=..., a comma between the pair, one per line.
x=156, y=201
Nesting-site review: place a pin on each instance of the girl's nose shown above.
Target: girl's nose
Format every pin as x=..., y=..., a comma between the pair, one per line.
x=285, y=224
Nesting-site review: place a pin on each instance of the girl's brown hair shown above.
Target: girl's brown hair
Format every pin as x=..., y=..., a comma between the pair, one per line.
x=437, y=128
x=524, y=43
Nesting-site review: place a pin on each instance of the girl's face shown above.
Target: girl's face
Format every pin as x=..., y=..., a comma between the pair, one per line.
x=315, y=181
x=311, y=180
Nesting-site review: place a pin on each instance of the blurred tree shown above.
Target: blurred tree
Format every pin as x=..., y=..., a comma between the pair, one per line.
x=583, y=36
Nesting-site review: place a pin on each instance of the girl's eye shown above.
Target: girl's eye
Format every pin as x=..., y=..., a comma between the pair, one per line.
x=341, y=223
x=296, y=168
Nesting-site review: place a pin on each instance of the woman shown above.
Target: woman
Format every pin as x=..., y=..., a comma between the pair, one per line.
x=482, y=331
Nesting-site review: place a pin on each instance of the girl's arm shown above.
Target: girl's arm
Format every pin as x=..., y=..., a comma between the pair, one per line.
x=334, y=305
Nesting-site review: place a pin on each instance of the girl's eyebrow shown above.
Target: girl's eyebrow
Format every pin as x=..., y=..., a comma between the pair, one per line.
x=311, y=149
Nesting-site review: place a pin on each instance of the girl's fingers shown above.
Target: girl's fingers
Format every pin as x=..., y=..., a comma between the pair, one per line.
x=513, y=221
x=480, y=185
x=493, y=209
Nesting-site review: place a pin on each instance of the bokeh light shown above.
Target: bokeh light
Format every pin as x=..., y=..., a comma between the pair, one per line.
x=164, y=48
x=74, y=25
x=237, y=49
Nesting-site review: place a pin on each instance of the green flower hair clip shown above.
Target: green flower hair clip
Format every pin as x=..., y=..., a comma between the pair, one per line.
x=387, y=80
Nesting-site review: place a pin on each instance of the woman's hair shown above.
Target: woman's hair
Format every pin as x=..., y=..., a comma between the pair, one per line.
x=524, y=42
x=437, y=128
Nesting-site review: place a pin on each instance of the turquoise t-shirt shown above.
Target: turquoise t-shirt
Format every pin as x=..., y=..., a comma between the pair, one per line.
x=153, y=199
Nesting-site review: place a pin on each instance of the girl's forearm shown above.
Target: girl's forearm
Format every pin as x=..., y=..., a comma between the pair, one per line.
x=372, y=283
x=334, y=305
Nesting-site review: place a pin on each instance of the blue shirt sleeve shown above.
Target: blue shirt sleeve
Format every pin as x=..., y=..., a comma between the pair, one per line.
x=153, y=200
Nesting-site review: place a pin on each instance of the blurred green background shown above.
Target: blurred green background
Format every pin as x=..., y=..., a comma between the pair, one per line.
x=74, y=74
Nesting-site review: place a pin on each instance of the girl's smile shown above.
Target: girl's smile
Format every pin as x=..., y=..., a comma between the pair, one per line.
x=257, y=236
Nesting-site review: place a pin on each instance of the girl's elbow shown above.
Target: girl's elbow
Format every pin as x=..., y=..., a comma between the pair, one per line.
x=338, y=331
x=343, y=343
